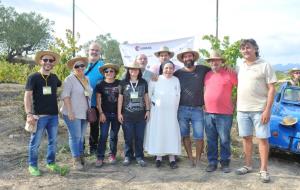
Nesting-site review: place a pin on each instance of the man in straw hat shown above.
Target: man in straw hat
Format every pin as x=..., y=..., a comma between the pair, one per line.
x=218, y=84
x=294, y=77
x=190, y=112
x=163, y=54
x=255, y=96
x=40, y=101
x=92, y=72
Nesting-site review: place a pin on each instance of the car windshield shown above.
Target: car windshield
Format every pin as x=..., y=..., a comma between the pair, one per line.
x=292, y=94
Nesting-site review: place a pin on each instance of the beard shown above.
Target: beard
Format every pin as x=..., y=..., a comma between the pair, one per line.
x=189, y=63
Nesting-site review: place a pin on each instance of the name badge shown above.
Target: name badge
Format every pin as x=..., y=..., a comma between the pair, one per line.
x=134, y=95
x=47, y=90
x=86, y=93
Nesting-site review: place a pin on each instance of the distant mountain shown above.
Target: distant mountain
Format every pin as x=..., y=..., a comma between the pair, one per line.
x=285, y=67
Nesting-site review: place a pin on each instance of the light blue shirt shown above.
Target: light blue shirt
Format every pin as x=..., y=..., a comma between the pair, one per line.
x=94, y=77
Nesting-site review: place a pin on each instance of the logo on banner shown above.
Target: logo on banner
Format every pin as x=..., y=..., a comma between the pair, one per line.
x=138, y=48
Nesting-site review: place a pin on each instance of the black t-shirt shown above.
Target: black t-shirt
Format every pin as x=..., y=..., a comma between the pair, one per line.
x=192, y=86
x=133, y=109
x=43, y=104
x=109, y=95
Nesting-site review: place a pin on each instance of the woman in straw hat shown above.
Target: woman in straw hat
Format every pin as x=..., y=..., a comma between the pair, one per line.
x=76, y=94
x=163, y=132
x=294, y=77
x=107, y=93
x=133, y=112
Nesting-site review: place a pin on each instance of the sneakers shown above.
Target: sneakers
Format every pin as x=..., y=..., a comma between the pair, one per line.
x=225, y=168
x=99, y=163
x=141, y=162
x=126, y=161
x=54, y=167
x=77, y=165
x=264, y=176
x=173, y=165
x=211, y=168
x=112, y=159
x=34, y=171
x=243, y=170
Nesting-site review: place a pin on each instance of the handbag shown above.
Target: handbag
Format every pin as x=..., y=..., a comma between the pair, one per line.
x=91, y=114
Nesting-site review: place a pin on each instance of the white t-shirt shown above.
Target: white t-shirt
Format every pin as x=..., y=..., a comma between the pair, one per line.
x=253, y=83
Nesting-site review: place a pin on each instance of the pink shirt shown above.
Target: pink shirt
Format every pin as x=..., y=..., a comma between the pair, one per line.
x=218, y=89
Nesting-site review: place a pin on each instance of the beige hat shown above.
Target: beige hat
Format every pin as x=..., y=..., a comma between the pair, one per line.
x=133, y=65
x=164, y=49
x=40, y=54
x=187, y=50
x=108, y=65
x=293, y=70
x=70, y=63
x=215, y=54
x=289, y=121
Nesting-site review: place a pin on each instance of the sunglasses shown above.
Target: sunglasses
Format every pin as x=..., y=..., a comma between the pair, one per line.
x=48, y=60
x=297, y=73
x=81, y=66
x=109, y=71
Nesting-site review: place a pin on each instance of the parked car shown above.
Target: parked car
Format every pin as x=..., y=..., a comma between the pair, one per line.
x=284, y=125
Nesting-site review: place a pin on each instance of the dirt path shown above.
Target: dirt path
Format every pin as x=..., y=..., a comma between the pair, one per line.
x=13, y=164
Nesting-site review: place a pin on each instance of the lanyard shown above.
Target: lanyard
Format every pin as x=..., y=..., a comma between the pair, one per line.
x=84, y=81
x=45, y=78
x=133, y=88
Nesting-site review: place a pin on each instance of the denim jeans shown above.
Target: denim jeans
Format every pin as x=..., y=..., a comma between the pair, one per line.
x=112, y=121
x=218, y=126
x=50, y=124
x=134, y=131
x=76, y=129
x=191, y=117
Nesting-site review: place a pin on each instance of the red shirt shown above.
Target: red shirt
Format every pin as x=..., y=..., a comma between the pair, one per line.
x=218, y=89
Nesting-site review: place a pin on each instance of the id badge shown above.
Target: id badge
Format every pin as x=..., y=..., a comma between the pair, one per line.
x=86, y=93
x=134, y=95
x=47, y=90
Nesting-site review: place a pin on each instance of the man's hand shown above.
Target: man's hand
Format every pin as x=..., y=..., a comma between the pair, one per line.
x=265, y=117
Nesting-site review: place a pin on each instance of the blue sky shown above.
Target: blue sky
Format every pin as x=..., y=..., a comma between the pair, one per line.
x=275, y=24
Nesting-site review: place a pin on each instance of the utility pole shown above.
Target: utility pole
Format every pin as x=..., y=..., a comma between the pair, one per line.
x=217, y=19
x=73, y=24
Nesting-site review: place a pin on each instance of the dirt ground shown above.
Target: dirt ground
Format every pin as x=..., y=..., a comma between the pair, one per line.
x=284, y=168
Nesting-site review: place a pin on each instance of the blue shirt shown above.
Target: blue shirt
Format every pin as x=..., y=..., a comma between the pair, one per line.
x=94, y=76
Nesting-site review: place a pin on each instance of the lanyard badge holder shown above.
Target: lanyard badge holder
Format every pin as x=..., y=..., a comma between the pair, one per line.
x=134, y=94
x=46, y=89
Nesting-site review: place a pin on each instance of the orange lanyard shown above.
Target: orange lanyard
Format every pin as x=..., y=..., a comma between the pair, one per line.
x=84, y=81
x=45, y=78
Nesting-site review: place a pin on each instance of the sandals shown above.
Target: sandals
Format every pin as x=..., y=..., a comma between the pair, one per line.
x=243, y=170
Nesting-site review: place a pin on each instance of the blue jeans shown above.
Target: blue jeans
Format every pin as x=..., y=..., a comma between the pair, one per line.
x=191, y=116
x=111, y=120
x=76, y=129
x=134, y=131
x=218, y=126
x=50, y=124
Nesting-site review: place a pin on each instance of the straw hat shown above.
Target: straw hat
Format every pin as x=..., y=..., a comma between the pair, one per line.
x=289, y=121
x=108, y=65
x=215, y=54
x=187, y=50
x=164, y=49
x=293, y=70
x=133, y=65
x=40, y=54
x=70, y=63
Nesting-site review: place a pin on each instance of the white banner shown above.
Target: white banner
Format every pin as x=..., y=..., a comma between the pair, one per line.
x=130, y=51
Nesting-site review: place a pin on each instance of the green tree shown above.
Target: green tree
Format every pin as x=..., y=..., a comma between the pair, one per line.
x=24, y=33
x=230, y=51
x=110, y=47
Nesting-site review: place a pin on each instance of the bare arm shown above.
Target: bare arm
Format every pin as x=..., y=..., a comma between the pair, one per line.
x=267, y=112
x=28, y=107
x=120, y=104
x=99, y=107
x=68, y=104
x=147, y=102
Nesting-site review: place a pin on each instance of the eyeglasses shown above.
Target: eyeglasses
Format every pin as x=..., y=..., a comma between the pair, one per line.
x=77, y=66
x=48, y=60
x=298, y=73
x=109, y=71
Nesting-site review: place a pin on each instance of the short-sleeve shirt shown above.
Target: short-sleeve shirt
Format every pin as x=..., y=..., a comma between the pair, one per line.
x=109, y=95
x=253, y=80
x=43, y=104
x=133, y=109
x=218, y=91
x=72, y=88
x=192, y=85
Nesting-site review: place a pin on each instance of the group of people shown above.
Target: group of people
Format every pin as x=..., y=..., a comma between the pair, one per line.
x=156, y=108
